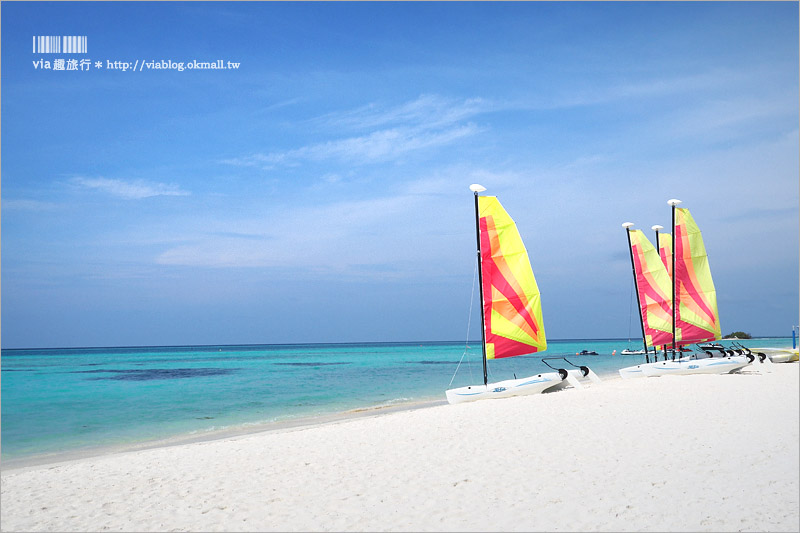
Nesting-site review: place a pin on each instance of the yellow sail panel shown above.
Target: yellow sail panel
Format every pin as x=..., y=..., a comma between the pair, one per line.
x=665, y=251
x=511, y=302
x=505, y=311
x=696, y=317
x=654, y=287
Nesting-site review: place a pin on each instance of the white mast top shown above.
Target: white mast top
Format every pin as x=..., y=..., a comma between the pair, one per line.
x=657, y=227
x=674, y=202
x=477, y=188
x=627, y=225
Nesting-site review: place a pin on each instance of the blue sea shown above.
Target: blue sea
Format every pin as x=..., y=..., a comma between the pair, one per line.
x=57, y=402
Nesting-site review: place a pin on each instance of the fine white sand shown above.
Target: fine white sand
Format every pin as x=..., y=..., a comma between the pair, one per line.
x=677, y=453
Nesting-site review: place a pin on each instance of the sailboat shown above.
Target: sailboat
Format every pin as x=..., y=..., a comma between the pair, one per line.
x=511, y=312
x=780, y=355
x=681, y=276
x=653, y=286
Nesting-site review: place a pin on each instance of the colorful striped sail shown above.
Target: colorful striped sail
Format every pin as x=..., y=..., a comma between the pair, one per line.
x=696, y=316
x=654, y=288
x=511, y=302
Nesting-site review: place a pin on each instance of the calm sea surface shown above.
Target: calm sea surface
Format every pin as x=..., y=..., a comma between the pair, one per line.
x=57, y=401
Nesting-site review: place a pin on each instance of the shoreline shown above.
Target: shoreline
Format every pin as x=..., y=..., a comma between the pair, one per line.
x=231, y=432
x=674, y=453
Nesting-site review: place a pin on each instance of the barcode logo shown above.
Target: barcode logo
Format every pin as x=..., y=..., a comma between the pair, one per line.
x=59, y=44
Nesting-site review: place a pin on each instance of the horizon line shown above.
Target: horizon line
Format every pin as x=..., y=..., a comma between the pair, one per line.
x=243, y=345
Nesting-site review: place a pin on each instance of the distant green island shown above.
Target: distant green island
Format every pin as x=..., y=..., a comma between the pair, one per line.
x=737, y=335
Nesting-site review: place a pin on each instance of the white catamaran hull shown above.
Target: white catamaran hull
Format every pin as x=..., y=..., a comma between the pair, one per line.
x=779, y=355
x=574, y=375
x=505, y=389
x=682, y=367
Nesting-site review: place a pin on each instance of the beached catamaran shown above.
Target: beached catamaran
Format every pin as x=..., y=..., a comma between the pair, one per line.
x=683, y=277
x=511, y=312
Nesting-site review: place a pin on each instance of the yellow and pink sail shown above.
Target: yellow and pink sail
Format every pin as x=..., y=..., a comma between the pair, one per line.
x=696, y=316
x=654, y=287
x=511, y=301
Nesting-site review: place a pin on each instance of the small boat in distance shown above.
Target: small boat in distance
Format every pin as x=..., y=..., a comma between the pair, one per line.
x=627, y=351
x=511, y=312
x=586, y=352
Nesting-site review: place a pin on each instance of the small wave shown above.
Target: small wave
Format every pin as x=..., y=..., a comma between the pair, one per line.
x=388, y=404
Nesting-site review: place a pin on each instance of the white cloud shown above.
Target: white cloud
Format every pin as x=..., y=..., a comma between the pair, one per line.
x=731, y=118
x=616, y=91
x=425, y=225
x=416, y=229
x=130, y=190
x=426, y=122
x=311, y=238
x=426, y=112
x=28, y=205
x=379, y=146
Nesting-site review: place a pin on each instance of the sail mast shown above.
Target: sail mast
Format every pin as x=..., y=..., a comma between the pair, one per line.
x=627, y=226
x=674, y=203
x=475, y=188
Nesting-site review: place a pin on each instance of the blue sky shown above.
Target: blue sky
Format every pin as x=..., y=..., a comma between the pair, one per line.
x=319, y=192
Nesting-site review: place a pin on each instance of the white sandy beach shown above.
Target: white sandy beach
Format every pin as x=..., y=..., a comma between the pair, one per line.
x=678, y=453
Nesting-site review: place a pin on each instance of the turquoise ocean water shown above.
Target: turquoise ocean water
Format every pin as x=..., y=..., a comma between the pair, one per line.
x=61, y=401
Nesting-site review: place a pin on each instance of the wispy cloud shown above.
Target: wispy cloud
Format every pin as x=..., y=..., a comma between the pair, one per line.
x=282, y=104
x=428, y=216
x=129, y=190
x=295, y=236
x=426, y=112
x=379, y=146
x=732, y=117
x=618, y=90
x=387, y=133
x=761, y=214
x=346, y=239
x=28, y=205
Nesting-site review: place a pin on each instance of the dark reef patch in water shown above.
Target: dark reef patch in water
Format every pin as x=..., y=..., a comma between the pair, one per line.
x=158, y=373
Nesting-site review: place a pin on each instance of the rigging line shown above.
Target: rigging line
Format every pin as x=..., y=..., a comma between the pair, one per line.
x=469, y=324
